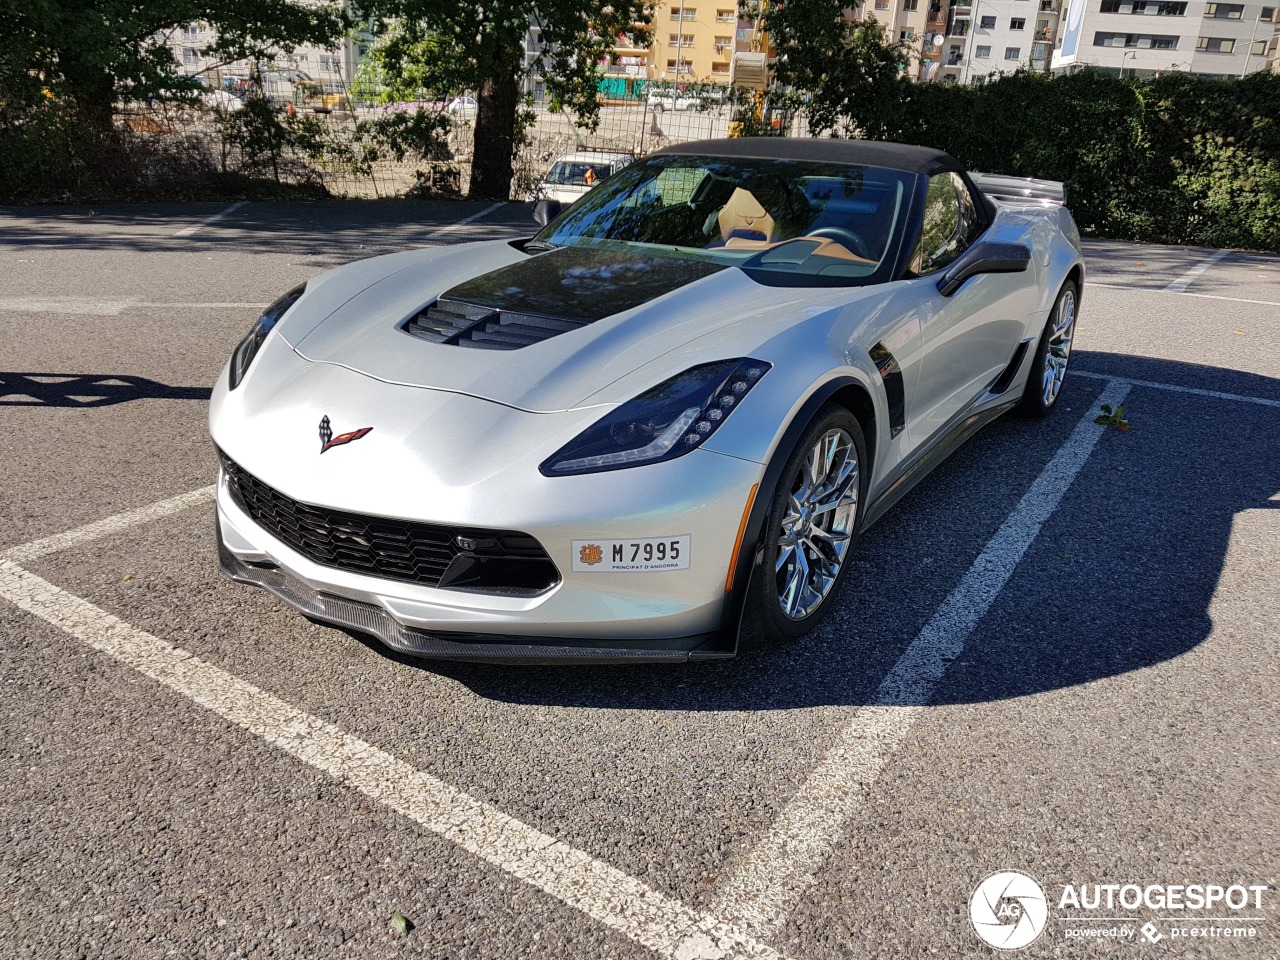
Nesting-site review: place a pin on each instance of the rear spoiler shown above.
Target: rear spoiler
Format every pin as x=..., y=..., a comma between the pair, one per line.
x=1020, y=189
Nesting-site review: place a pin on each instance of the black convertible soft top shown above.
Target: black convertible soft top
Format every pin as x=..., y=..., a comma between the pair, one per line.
x=869, y=153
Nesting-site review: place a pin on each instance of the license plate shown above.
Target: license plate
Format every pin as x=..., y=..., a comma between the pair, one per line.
x=632, y=556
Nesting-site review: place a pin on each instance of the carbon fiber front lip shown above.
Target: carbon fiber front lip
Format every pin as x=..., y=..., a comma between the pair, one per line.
x=473, y=648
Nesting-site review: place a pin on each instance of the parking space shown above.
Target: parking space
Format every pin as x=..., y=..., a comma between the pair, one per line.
x=1057, y=655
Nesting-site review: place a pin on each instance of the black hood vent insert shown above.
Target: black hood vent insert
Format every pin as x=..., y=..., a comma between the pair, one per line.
x=470, y=325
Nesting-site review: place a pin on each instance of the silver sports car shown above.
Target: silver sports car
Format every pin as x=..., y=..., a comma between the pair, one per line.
x=655, y=430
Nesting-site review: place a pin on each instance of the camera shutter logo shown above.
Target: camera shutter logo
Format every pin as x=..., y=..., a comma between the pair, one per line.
x=1008, y=910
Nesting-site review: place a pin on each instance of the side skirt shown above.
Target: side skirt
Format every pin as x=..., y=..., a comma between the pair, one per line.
x=922, y=467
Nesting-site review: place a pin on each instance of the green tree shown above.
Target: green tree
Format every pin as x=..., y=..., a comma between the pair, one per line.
x=844, y=74
x=443, y=47
x=93, y=53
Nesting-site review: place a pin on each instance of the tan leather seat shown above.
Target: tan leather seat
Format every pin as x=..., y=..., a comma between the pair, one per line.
x=743, y=221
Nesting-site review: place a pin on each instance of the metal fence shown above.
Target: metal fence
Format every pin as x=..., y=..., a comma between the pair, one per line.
x=175, y=141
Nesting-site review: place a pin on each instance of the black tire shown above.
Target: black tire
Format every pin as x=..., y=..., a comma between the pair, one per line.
x=764, y=618
x=1038, y=397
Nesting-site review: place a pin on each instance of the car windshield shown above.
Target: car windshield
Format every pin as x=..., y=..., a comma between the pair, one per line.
x=783, y=221
x=577, y=173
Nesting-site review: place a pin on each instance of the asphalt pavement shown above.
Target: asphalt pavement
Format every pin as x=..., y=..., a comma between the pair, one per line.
x=1060, y=655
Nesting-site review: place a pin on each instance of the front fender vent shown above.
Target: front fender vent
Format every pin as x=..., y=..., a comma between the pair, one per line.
x=468, y=325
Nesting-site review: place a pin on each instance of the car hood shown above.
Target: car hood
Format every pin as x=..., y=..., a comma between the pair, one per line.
x=609, y=313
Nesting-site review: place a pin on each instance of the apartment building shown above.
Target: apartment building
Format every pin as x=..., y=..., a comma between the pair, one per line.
x=693, y=41
x=1147, y=37
x=921, y=24
x=962, y=41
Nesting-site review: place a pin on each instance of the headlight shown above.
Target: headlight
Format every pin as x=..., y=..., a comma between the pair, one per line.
x=249, y=346
x=662, y=423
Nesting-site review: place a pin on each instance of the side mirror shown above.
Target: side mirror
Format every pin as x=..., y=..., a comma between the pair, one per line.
x=544, y=211
x=987, y=256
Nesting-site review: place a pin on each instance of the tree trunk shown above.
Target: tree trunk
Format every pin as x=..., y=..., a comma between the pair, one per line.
x=491, y=166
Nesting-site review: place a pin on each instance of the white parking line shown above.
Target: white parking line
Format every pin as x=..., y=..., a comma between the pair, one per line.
x=89, y=306
x=195, y=227
x=766, y=885
x=445, y=231
x=1184, y=293
x=104, y=528
x=1184, y=281
x=604, y=893
x=1194, y=391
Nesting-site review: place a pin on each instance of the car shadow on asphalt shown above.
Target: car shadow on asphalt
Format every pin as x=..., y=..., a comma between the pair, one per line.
x=1120, y=578
x=87, y=390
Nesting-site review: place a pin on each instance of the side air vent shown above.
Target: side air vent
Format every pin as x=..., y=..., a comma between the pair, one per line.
x=887, y=365
x=468, y=325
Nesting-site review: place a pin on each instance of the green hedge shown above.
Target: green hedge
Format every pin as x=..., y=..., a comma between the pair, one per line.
x=1174, y=159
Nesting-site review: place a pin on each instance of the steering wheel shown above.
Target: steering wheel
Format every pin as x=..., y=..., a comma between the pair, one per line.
x=846, y=238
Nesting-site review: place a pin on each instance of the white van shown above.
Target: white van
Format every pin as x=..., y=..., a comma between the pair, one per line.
x=668, y=98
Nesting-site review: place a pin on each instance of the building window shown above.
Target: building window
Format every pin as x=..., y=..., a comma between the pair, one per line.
x=1259, y=48
x=987, y=23
x=882, y=4
x=726, y=16
x=720, y=68
x=1224, y=11
x=1018, y=23
x=690, y=13
x=1268, y=14
x=190, y=57
x=910, y=5
x=1136, y=41
x=1216, y=45
x=1013, y=53
x=191, y=33
x=1152, y=8
x=983, y=53
x=1046, y=5
x=1109, y=6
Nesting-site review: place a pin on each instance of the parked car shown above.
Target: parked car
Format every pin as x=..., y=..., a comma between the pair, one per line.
x=655, y=430
x=464, y=107
x=573, y=175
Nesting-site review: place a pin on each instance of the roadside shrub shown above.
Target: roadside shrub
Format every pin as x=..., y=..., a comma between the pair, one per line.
x=1176, y=158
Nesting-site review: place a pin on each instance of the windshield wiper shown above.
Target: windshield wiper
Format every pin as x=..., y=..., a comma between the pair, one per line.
x=539, y=246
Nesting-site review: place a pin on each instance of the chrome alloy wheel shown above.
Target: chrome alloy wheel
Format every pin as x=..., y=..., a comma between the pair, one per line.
x=1059, y=348
x=818, y=526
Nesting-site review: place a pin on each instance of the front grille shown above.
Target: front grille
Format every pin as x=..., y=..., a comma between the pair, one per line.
x=433, y=555
x=468, y=325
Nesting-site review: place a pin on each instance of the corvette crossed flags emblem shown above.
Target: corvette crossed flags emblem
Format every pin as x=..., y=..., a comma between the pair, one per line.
x=327, y=439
